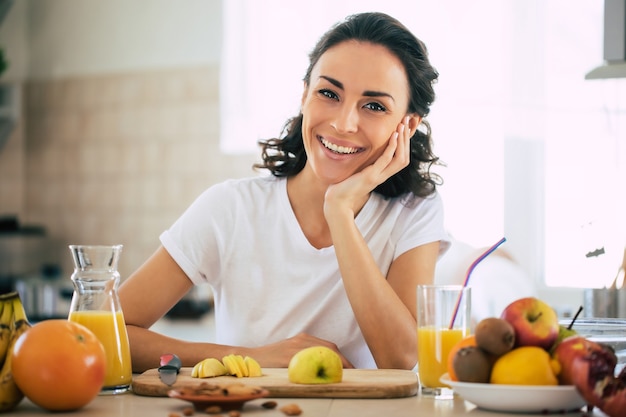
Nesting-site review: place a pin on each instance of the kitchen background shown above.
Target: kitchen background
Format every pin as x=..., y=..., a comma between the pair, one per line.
x=115, y=124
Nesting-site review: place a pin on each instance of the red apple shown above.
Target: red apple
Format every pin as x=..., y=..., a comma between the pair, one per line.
x=534, y=321
x=571, y=348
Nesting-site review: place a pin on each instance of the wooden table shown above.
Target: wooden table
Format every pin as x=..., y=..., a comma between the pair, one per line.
x=131, y=405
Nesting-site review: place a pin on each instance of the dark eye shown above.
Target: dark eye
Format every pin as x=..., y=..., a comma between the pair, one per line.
x=329, y=94
x=375, y=107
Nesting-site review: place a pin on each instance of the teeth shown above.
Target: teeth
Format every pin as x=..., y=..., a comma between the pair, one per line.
x=339, y=149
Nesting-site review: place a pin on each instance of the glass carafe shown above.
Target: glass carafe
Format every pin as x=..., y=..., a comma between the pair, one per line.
x=95, y=304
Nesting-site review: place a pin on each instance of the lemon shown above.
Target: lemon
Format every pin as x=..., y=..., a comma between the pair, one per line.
x=526, y=365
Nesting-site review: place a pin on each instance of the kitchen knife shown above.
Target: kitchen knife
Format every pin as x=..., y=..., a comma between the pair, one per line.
x=170, y=366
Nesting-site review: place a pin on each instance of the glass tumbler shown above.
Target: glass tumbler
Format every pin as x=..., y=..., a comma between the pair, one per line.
x=95, y=304
x=443, y=319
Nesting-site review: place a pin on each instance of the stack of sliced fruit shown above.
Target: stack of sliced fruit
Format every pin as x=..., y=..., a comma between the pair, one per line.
x=527, y=346
x=235, y=365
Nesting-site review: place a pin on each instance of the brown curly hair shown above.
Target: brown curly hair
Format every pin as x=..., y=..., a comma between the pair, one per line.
x=286, y=156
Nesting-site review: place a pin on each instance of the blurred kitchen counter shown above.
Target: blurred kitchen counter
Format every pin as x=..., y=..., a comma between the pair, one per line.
x=200, y=329
x=136, y=406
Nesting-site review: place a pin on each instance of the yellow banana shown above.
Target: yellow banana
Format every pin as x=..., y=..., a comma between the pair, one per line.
x=10, y=394
x=6, y=327
x=19, y=314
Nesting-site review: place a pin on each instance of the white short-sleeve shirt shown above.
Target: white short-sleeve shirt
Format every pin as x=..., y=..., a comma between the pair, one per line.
x=242, y=238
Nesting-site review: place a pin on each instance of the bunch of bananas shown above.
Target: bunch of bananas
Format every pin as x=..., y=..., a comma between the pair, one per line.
x=13, y=322
x=235, y=365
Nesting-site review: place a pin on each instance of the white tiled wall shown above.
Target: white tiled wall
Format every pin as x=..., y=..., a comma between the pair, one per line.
x=12, y=162
x=115, y=158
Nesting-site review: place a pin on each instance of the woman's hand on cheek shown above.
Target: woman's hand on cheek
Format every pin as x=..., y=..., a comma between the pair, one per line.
x=355, y=190
x=396, y=156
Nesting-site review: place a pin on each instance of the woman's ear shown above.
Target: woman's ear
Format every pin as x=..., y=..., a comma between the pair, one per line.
x=414, y=122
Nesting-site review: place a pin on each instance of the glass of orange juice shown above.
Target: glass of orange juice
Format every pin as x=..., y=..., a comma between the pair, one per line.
x=443, y=319
x=95, y=305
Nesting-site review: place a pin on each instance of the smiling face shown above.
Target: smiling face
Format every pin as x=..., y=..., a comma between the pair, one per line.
x=357, y=96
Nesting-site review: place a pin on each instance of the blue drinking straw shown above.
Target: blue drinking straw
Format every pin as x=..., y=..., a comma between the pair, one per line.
x=469, y=272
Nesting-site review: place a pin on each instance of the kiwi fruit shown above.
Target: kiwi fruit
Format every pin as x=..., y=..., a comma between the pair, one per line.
x=495, y=335
x=472, y=364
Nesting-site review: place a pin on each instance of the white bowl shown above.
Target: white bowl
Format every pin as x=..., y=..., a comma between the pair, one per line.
x=519, y=398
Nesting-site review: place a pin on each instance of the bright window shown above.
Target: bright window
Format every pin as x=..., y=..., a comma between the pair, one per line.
x=533, y=151
x=264, y=57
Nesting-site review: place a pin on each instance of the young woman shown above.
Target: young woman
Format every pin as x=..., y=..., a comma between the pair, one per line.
x=329, y=249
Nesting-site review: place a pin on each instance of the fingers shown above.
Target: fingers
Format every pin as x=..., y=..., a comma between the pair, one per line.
x=403, y=148
x=394, y=158
x=407, y=137
x=397, y=154
x=303, y=340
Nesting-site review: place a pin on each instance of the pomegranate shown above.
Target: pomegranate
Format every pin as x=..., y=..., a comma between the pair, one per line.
x=569, y=349
x=594, y=377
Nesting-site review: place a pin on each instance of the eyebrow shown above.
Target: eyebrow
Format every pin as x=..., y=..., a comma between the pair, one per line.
x=367, y=93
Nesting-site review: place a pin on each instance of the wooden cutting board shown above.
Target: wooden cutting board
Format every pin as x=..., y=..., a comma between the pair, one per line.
x=356, y=383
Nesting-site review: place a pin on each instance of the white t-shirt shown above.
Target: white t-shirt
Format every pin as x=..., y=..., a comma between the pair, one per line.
x=269, y=283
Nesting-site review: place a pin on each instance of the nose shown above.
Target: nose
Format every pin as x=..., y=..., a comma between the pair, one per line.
x=346, y=120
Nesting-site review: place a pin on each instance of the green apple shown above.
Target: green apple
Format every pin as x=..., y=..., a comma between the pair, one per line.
x=315, y=365
x=564, y=333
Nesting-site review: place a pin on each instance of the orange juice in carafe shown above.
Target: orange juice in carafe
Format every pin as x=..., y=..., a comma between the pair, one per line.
x=110, y=329
x=96, y=305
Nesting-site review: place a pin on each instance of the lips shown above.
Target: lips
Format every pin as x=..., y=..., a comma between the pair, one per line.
x=338, y=149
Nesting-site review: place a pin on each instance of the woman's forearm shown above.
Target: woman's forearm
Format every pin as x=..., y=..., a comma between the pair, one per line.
x=385, y=321
x=147, y=346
